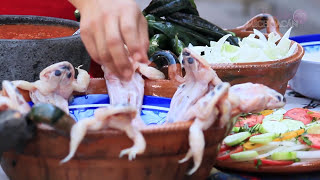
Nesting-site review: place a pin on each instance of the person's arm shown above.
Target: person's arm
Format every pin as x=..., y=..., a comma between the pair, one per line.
x=106, y=26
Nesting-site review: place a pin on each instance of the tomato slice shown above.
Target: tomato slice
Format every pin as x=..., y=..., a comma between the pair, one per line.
x=250, y=120
x=269, y=162
x=224, y=147
x=314, y=114
x=226, y=154
x=315, y=140
x=299, y=114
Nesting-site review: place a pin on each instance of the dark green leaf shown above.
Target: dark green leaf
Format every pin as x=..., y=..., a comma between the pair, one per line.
x=306, y=140
x=259, y=163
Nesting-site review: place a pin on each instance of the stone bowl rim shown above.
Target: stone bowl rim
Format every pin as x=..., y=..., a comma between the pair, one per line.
x=57, y=21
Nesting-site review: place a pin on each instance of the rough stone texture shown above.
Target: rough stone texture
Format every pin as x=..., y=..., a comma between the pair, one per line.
x=24, y=59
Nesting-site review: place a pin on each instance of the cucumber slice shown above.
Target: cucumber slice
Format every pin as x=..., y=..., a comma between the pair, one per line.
x=235, y=139
x=293, y=124
x=263, y=138
x=284, y=156
x=235, y=129
x=273, y=127
x=280, y=111
x=315, y=129
x=275, y=116
x=244, y=155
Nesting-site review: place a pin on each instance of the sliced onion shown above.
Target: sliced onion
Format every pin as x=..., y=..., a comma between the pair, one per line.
x=260, y=35
x=297, y=147
x=308, y=154
x=279, y=149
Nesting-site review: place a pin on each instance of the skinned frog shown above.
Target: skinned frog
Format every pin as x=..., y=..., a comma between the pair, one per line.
x=199, y=78
x=12, y=99
x=130, y=92
x=56, y=84
x=117, y=117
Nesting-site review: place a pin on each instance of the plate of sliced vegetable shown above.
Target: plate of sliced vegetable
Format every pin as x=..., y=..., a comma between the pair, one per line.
x=273, y=141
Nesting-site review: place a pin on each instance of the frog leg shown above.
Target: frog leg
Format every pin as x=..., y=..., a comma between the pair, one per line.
x=16, y=98
x=25, y=85
x=78, y=131
x=150, y=72
x=225, y=109
x=82, y=82
x=5, y=103
x=202, y=122
x=139, y=143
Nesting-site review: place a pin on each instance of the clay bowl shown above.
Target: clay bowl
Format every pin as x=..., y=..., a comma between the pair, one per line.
x=24, y=59
x=274, y=74
x=98, y=155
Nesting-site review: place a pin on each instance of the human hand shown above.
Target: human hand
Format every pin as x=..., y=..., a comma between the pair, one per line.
x=106, y=26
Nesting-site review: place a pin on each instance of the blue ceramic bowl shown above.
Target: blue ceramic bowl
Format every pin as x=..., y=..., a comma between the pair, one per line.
x=154, y=109
x=307, y=79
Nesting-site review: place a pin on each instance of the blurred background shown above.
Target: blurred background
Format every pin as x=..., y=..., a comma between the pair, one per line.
x=301, y=15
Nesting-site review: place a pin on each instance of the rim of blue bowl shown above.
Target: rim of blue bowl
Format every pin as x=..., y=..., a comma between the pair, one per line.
x=306, y=40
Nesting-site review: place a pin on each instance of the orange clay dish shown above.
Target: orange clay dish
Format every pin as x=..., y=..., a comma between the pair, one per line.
x=289, y=140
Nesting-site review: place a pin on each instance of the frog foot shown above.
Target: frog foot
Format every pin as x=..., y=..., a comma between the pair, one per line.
x=131, y=152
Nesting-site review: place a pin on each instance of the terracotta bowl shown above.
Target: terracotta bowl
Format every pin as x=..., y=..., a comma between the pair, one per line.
x=98, y=155
x=274, y=74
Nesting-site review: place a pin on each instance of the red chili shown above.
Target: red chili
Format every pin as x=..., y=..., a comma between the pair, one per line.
x=269, y=162
x=226, y=154
x=224, y=147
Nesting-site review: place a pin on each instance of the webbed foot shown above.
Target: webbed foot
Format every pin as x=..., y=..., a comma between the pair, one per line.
x=131, y=152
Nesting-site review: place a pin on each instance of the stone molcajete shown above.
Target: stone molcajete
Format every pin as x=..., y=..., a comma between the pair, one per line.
x=24, y=59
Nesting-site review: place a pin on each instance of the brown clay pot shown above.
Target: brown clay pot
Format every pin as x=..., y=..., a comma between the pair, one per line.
x=274, y=74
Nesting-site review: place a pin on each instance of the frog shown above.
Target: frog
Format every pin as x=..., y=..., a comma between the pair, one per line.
x=131, y=91
x=56, y=84
x=199, y=78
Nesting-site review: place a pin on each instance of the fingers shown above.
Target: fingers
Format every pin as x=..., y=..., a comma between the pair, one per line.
x=89, y=41
x=116, y=48
x=104, y=56
x=134, y=31
x=130, y=32
x=144, y=38
x=106, y=30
